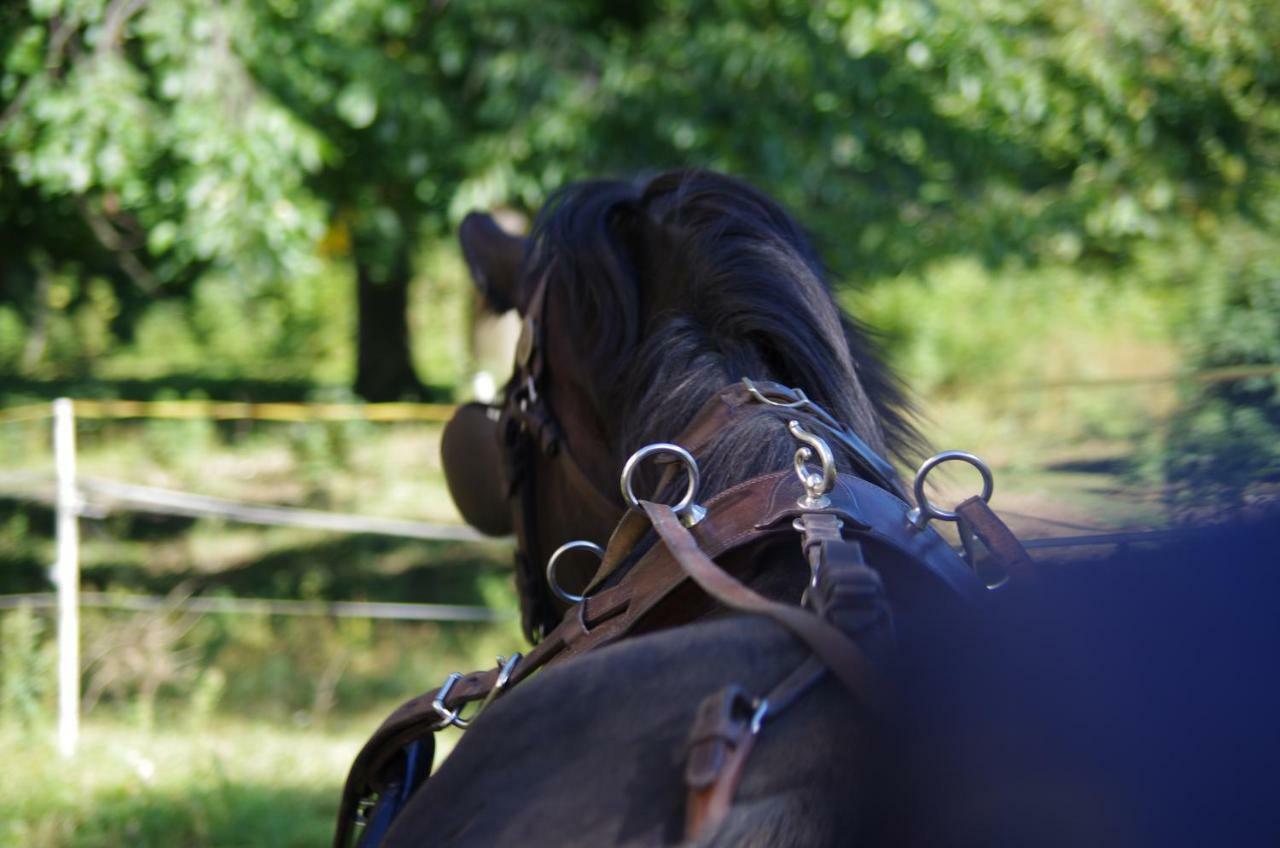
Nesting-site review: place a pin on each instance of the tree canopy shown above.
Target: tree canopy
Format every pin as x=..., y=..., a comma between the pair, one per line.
x=148, y=147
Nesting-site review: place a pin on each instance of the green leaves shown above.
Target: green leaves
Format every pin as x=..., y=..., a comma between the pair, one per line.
x=358, y=105
x=158, y=143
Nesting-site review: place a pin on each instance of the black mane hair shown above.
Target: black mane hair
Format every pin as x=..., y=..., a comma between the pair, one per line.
x=679, y=285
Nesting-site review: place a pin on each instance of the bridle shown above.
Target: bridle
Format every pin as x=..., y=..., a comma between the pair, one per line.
x=523, y=439
x=528, y=430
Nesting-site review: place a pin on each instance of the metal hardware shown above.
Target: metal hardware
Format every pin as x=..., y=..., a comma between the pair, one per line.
x=556, y=589
x=689, y=512
x=926, y=511
x=757, y=718
x=448, y=716
x=803, y=402
x=815, y=485
x=754, y=390
x=506, y=665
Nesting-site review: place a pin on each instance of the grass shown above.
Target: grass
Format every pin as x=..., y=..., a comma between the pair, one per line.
x=231, y=783
x=245, y=743
x=247, y=738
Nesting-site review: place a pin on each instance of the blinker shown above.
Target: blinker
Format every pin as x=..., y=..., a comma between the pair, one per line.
x=471, y=453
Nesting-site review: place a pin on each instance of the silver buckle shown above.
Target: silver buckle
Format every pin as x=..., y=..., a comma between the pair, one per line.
x=447, y=716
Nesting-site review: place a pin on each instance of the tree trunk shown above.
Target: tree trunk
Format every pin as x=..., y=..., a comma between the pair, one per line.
x=384, y=365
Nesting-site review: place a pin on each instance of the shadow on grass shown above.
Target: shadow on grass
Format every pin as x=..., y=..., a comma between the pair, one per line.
x=375, y=568
x=1113, y=465
x=23, y=390
x=338, y=568
x=221, y=814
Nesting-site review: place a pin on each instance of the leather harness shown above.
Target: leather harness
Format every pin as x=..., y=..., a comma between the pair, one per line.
x=625, y=596
x=636, y=588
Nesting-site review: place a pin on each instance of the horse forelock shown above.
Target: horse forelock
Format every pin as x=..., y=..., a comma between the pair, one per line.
x=689, y=281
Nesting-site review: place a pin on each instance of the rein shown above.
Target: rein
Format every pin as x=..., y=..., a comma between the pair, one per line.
x=839, y=518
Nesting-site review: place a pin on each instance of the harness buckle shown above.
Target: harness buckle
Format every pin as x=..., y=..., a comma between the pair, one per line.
x=447, y=716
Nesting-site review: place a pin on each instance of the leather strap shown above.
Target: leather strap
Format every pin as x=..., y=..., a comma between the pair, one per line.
x=739, y=516
x=999, y=540
x=843, y=590
x=748, y=397
x=721, y=738
x=842, y=656
x=371, y=771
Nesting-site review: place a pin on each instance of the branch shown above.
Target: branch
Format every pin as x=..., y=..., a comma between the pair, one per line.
x=117, y=15
x=109, y=238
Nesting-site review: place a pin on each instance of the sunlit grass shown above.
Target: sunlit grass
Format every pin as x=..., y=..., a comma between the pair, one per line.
x=228, y=783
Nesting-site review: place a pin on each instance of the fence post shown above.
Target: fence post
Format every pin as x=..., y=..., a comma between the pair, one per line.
x=67, y=573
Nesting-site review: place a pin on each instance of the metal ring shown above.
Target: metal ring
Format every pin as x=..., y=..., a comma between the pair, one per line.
x=925, y=510
x=551, y=568
x=691, y=466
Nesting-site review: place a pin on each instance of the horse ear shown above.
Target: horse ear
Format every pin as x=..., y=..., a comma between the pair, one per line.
x=494, y=257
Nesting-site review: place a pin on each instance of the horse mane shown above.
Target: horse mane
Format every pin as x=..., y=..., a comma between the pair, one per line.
x=681, y=284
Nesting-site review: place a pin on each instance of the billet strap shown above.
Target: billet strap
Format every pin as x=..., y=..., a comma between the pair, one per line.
x=975, y=515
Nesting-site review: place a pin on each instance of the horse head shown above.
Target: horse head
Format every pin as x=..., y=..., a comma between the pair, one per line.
x=640, y=301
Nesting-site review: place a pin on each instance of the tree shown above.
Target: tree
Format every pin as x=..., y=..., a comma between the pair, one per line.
x=135, y=147
x=157, y=141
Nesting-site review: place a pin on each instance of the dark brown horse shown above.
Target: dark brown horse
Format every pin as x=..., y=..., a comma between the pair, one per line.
x=642, y=303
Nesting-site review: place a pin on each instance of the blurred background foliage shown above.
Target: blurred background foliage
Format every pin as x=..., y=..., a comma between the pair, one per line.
x=280, y=167
x=255, y=199
x=244, y=189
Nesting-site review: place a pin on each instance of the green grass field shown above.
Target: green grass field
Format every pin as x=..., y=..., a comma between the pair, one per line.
x=231, y=782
